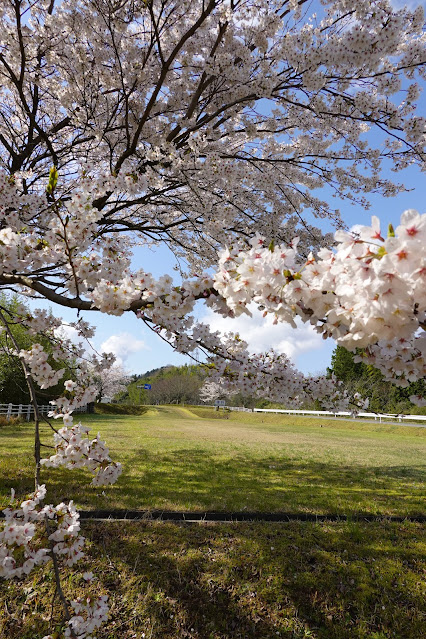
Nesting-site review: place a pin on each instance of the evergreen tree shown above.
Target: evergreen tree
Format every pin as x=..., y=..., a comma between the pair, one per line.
x=13, y=387
x=367, y=380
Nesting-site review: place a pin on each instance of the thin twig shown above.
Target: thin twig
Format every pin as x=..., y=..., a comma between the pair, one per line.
x=57, y=576
x=51, y=609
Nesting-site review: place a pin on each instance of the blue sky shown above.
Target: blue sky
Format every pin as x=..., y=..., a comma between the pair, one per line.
x=139, y=350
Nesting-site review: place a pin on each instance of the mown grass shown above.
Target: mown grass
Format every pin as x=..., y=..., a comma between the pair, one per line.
x=176, y=459
x=240, y=581
x=345, y=580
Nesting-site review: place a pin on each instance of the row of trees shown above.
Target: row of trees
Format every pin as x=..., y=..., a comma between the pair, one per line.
x=169, y=385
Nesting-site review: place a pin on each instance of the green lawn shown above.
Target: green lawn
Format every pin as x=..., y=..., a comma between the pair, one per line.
x=189, y=459
x=344, y=580
x=240, y=581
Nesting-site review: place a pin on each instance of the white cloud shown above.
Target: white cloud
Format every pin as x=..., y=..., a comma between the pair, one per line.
x=69, y=332
x=123, y=346
x=261, y=334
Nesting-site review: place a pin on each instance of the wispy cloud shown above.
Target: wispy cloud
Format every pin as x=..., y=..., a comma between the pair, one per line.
x=123, y=346
x=261, y=334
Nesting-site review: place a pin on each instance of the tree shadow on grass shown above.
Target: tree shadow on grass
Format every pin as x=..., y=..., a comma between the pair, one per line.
x=198, y=480
x=242, y=581
x=266, y=580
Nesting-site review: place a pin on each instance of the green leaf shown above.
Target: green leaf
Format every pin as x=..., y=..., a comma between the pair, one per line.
x=53, y=180
x=391, y=232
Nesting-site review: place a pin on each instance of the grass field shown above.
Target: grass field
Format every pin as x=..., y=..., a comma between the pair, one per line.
x=345, y=580
x=181, y=459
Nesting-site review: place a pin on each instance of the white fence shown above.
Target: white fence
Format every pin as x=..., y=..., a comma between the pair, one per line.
x=327, y=413
x=26, y=410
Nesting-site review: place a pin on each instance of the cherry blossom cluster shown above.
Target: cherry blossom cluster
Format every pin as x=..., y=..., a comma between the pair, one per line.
x=75, y=450
x=89, y=615
x=68, y=543
x=86, y=368
x=234, y=369
x=39, y=321
x=85, y=390
x=36, y=359
x=400, y=360
x=21, y=536
x=18, y=537
x=231, y=366
x=366, y=292
x=79, y=394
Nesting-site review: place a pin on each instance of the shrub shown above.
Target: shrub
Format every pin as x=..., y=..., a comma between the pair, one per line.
x=119, y=409
x=12, y=421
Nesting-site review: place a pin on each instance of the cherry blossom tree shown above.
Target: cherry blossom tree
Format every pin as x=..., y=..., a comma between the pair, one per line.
x=211, y=127
x=110, y=381
x=212, y=390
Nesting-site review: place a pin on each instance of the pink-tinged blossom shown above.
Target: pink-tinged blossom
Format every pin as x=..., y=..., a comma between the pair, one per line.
x=20, y=548
x=75, y=450
x=89, y=615
x=369, y=292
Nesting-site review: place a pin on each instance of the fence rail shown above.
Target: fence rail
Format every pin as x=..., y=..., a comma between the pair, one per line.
x=325, y=413
x=26, y=410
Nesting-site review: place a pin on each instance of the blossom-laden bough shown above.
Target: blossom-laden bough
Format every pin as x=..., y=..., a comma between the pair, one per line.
x=206, y=126
x=367, y=292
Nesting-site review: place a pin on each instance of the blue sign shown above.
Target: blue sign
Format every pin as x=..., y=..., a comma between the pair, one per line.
x=147, y=386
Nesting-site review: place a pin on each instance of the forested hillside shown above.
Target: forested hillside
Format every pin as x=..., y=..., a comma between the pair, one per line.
x=169, y=385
